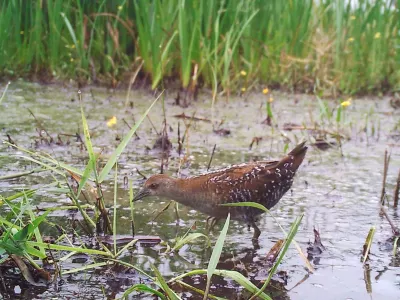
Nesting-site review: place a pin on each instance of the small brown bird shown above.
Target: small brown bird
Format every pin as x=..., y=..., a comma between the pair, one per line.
x=264, y=182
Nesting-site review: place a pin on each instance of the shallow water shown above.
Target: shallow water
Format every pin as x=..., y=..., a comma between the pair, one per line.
x=338, y=194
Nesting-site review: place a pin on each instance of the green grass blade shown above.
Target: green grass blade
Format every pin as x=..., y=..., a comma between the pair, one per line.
x=142, y=288
x=68, y=248
x=35, y=223
x=188, y=239
x=115, y=209
x=288, y=240
x=234, y=275
x=368, y=243
x=163, y=284
x=115, y=155
x=130, y=244
x=92, y=158
x=339, y=114
x=4, y=92
x=262, y=207
x=85, y=176
x=212, y=265
x=49, y=160
x=86, y=133
x=71, y=30
x=87, y=267
x=395, y=245
x=242, y=281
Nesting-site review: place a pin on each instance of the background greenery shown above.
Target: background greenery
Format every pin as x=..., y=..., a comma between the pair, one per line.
x=229, y=45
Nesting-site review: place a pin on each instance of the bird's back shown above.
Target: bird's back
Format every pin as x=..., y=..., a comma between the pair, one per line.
x=264, y=182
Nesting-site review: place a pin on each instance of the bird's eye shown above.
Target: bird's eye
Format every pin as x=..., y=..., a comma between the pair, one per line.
x=153, y=186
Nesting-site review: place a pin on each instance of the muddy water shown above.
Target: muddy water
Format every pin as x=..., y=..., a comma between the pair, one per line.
x=337, y=190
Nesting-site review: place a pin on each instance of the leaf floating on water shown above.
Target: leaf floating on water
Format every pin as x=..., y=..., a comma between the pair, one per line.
x=275, y=250
x=23, y=267
x=222, y=132
x=322, y=144
x=183, y=116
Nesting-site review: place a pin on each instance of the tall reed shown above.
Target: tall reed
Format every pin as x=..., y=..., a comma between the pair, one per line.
x=307, y=45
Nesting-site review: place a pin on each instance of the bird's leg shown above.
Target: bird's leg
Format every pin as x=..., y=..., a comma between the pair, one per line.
x=207, y=224
x=210, y=223
x=257, y=231
x=256, y=234
x=177, y=212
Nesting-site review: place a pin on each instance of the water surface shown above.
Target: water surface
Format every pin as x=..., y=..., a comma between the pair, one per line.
x=337, y=190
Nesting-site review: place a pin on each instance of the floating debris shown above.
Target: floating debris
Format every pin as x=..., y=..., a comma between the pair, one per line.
x=292, y=126
x=322, y=144
x=274, y=252
x=222, y=132
x=183, y=116
x=255, y=140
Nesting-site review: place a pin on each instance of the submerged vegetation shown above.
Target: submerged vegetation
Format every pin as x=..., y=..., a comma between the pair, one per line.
x=336, y=46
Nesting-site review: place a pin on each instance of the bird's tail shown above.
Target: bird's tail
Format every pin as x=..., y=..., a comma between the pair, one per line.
x=295, y=157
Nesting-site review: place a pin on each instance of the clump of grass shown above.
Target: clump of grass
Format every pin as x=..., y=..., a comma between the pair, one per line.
x=306, y=45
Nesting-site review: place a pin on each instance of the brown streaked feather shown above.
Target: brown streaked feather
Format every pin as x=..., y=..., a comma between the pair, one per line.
x=264, y=182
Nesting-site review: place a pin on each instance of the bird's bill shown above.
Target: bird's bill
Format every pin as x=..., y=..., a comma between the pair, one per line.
x=141, y=194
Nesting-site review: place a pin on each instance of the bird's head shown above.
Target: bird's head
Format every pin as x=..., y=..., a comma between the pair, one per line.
x=157, y=185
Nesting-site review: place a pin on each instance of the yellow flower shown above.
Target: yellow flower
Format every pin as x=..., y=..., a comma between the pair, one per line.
x=243, y=73
x=119, y=7
x=377, y=35
x=71, y=59
x=243, y=89
x=21, y=32
x=73, y=46
x=346, y=103
x=270, y=100
x=350, y=40
x=265, y=91
x=352, y=18
x=112, y=121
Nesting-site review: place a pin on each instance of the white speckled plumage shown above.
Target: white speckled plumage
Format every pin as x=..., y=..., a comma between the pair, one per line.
x=264, y=182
